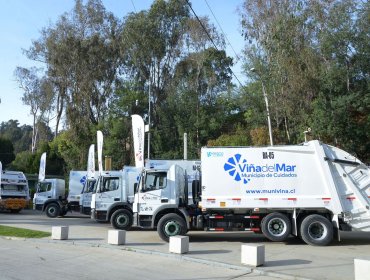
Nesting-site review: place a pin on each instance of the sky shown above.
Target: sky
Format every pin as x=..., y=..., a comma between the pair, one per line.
x=21, y=22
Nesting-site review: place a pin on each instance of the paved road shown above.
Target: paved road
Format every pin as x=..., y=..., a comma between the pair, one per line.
x=66, y=262
x=289, y=259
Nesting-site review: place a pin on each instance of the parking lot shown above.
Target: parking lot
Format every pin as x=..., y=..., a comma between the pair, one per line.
x=285, y=259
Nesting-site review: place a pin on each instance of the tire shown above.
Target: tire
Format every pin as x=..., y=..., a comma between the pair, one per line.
x=121, y=219
x=52, y=210
x=62, y=213
x=276, y=227
x=171, y=225
x=316, y=230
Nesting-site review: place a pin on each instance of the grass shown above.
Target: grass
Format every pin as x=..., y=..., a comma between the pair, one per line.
x=21, y=232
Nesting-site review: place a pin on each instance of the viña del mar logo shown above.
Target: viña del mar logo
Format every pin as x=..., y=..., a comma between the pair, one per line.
x=232, y=166
x=241, y=170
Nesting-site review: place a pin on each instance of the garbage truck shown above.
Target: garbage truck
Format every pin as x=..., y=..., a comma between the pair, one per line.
x=114, y=193
x=50, y=196
x=89, y=185
x=113, y=196
x=86, y=194
x=14, y=191
x=311, y=190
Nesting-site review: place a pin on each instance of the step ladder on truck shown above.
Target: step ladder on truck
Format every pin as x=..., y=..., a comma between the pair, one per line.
x=312, y=191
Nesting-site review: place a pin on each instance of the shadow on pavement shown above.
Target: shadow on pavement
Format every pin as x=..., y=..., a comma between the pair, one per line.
x=85, y=239
x=286, y=262
x=144, y=244
x=201, y=252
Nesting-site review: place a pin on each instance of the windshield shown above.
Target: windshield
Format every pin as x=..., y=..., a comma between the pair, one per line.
x=89, y=186
x=110, y=184
x=155, y=181
x=43, y=187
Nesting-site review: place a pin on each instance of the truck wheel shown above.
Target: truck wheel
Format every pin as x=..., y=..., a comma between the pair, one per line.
x=170, y=225
x=121, y=219
x=316, y=230
x=62, y=213
x=276, y=226
x=52, y=210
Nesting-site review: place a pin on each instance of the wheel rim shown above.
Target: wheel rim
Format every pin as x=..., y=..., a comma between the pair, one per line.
x=51, y=210
x=122, y=220
x=317, y=231
x=277, y=227
x=172, y=228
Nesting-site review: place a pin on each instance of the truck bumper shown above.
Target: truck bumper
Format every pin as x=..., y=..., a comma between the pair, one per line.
x=37, y=207
x=13, y=203
x=85, y=210
x=100, y=216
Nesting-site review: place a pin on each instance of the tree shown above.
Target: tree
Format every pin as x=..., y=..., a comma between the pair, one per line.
x=37, y=95
x=21, y=137
x=152, y=46
x=172, y=56
x=6, y=151
x=82, y=57
x=311, y=57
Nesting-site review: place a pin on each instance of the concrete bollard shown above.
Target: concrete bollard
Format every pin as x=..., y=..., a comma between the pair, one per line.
x=362, y=269
x=59, y=232
x=117, y=237
x=179, y=244
x=253, y=254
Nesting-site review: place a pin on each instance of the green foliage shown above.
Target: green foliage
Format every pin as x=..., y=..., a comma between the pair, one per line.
x=313, y=61
x=311, y=58
x=240, y=137
x=26, y=162
x=6, y=152
x=20, y=136
x=260, y=136
x=29, y=162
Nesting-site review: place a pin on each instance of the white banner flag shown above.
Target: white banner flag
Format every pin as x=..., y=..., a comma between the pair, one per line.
x=1, y=171
x=42, y=167
x=138, y=136
x=99, y=135
x=91, y=162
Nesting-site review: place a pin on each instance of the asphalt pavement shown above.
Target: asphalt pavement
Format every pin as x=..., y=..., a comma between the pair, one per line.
x=287, y=260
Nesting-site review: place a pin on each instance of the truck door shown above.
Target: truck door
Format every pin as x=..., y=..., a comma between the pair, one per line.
x=155, y=192
x=109, y=192
x=44, y=192
x=86, y=194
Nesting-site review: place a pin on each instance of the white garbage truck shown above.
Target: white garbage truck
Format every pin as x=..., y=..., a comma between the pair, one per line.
x=86, y=194
x=113, y=196
x=114, y=193
x=50, y=196
x=14, y=191
x=88, y=188
x=312, y=191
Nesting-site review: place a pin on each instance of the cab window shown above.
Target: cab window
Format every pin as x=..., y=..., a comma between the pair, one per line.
x=155, y=181
x=43, y=187
x=110, y=184
x=90, y=186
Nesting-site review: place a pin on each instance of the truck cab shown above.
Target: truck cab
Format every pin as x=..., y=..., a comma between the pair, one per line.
x=77, y=180
x=14, y=191
x=113, y=197
x=161, y=197
x=86, y=195
x=49, y=197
